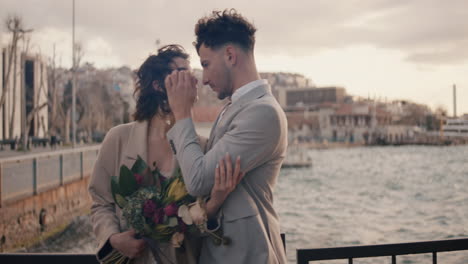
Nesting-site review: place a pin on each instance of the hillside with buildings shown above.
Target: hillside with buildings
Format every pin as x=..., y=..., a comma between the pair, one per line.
x=38, y=100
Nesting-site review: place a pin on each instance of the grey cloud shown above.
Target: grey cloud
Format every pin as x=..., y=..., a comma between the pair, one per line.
x=432, y=32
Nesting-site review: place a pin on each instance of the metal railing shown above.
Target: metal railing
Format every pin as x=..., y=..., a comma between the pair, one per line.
x=390, y=250
x=50, y=258
x=28, y=175
x=303, y=255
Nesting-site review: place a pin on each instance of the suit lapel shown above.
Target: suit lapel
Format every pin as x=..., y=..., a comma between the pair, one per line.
x=234, y=108
x=213, y=129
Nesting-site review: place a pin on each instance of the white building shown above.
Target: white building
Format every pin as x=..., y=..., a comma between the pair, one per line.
x=23, y=79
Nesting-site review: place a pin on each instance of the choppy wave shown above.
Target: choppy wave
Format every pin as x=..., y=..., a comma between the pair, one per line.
x=356, y=196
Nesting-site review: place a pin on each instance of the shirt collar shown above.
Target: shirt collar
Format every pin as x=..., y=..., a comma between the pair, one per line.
x=247, y=88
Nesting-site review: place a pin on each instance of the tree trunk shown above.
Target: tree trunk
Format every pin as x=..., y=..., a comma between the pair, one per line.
x=12, y=120
x=67, y=127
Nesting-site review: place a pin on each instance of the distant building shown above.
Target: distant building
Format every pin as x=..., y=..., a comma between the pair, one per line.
x=24, y=77
x=312, y=96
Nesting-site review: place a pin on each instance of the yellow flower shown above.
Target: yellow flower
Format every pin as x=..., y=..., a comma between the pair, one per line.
x=177, y=190
x=163, y=230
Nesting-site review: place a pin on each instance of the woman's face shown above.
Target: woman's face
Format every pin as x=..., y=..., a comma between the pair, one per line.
x=180, y=64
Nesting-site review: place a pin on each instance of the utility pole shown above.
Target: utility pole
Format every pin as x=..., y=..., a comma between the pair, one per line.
x=454, y=101
x=73, y=83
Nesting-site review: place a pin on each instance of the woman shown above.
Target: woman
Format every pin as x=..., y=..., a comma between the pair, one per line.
x=146, y=137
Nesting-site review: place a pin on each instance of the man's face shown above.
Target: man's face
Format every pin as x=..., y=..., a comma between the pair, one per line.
x=216, y=74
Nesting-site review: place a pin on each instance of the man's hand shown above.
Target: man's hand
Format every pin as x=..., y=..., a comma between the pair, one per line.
x=181, y=87
x=127, y=244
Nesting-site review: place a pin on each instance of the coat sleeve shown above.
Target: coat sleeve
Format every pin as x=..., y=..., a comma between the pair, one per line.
x=104, y=219
x=254, y=135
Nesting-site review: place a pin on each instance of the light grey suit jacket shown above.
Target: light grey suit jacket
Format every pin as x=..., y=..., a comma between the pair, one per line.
x=255, y=128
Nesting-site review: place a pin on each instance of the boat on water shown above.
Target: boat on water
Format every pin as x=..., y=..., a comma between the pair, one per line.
x=455, y=128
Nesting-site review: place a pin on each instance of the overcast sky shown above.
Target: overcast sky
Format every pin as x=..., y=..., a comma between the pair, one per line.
x=395, y=49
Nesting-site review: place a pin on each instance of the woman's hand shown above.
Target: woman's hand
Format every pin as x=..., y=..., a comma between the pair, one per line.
x=127, y=244
x=226, y=180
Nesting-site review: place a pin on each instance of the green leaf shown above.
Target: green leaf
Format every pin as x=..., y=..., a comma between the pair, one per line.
x=157, y=181
x=120, y=200
x=127, y=182
x=147, y=229
x=114, y=186
x=139, y=166
x=172, y=221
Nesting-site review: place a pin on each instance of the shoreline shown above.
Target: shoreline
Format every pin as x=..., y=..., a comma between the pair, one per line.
x=333, y=145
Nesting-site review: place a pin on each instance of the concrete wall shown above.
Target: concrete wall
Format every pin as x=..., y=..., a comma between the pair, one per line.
x=26, y=221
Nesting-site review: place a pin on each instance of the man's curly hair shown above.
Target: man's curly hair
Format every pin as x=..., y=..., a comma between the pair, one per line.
x=224, y=27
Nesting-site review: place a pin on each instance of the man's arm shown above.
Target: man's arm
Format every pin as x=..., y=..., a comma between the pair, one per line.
x=254, y=135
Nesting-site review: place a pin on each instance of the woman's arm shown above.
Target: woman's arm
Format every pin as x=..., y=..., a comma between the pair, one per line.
x=106, y=224
x=226, y=181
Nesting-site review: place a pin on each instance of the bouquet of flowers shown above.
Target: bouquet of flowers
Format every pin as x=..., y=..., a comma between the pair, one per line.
x=159, y=209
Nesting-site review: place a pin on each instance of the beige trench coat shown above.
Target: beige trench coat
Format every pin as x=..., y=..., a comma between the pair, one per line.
x=121, y=146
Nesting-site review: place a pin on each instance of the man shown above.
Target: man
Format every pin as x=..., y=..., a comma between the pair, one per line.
x=252, y=126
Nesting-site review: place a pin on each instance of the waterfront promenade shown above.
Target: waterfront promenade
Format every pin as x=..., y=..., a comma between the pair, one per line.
x=7, y=153
x=41, y=191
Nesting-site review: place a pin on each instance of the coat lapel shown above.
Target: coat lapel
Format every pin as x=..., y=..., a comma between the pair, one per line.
x=136, y=144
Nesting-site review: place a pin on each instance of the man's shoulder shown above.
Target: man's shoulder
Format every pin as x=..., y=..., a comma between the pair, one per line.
x=264, y=104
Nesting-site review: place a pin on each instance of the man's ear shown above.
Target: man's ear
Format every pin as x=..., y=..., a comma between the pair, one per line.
x=230, y=54
x=156, y=86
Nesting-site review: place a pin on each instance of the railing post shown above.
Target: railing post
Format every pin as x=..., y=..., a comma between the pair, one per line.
x=61, y=169
x=81, y=165
x=393, y=259
x=434, y=257
x=34, y=176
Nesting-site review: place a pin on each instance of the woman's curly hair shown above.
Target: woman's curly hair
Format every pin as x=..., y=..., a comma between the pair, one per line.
x=224, y=27
x=149, y=101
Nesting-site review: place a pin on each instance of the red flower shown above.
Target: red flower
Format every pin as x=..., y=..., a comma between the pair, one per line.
x=182, y=225
x=149, y=208
x=138, y=178
x=171, y=209
x=158, y=216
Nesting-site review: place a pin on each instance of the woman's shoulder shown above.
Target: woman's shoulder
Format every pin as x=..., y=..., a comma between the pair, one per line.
x=118, y=133
x=121, y=130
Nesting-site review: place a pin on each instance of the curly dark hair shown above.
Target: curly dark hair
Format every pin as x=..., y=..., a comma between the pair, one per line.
x=224, y=27
x=155, y=68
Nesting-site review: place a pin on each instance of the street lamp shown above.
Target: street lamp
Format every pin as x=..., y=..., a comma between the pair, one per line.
x=73, y=83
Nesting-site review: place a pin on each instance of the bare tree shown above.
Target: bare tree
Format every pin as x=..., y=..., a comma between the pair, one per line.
x=56, y=77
